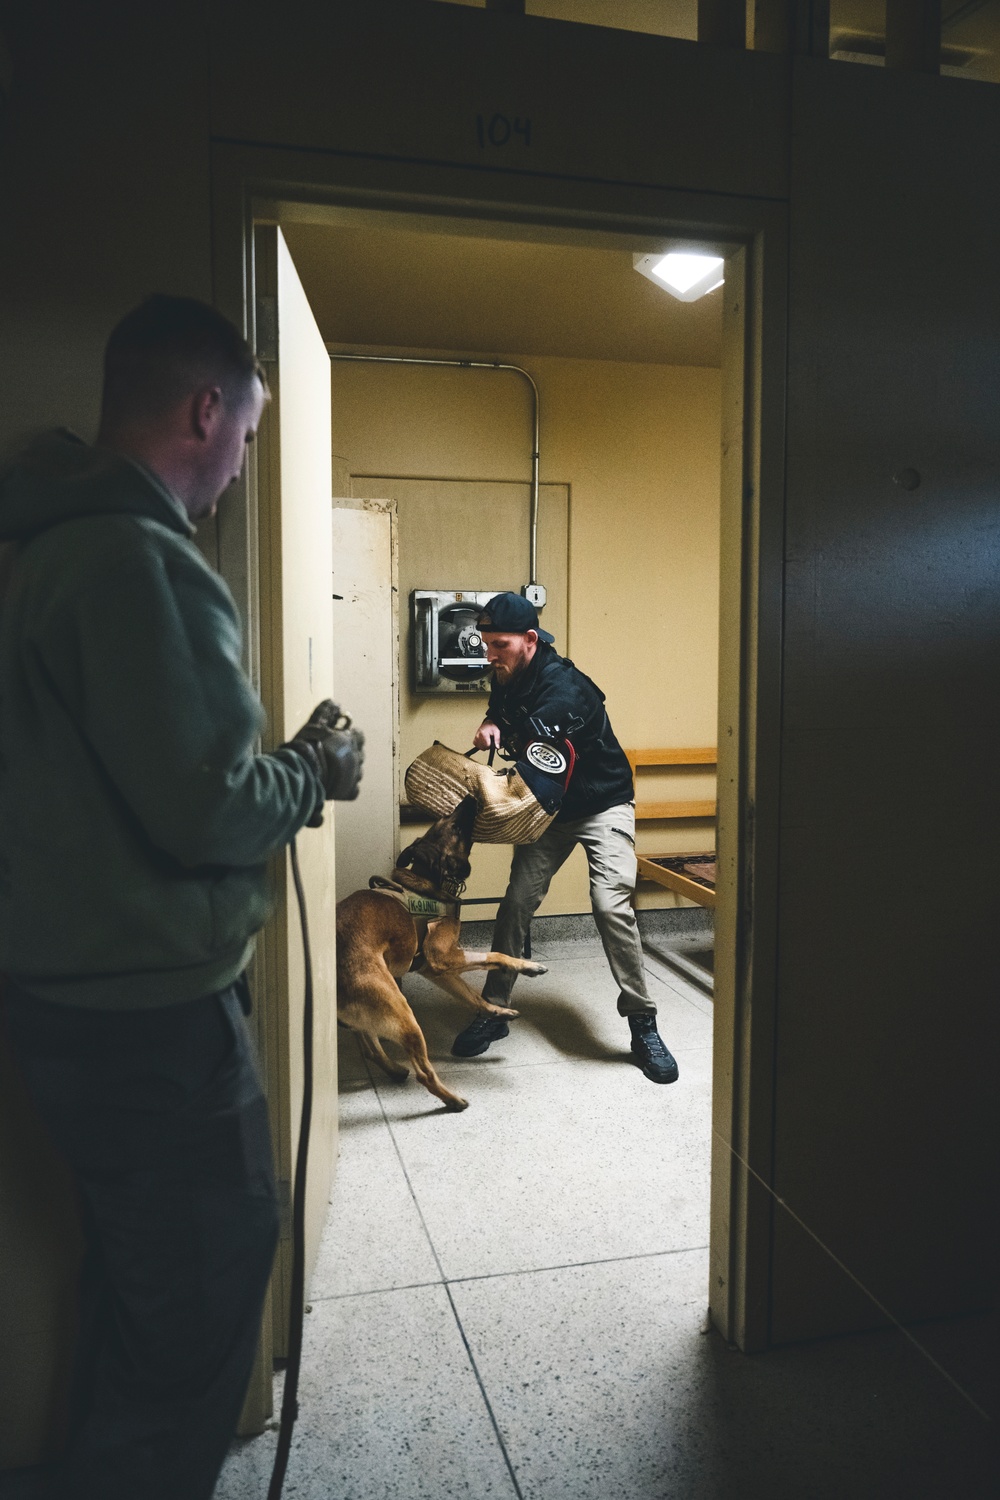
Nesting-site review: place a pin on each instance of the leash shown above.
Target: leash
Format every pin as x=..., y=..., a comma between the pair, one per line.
x=290, y=1396
x=296, y=1311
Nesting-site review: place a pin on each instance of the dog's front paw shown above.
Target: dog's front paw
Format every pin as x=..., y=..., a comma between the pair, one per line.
x=533, y=970
x=456, y=1103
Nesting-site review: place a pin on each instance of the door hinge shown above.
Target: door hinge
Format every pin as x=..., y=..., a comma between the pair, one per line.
x=267, y=329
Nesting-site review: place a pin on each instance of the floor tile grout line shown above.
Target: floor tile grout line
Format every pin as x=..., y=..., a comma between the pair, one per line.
x=409, y=1184
x=482, y=1390
x=376, y=1291
x=451, y=1302
x=569, y=1265
x=573, y=1265
x=489, y=1276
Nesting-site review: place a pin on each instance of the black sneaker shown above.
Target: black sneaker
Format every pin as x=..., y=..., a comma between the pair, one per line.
x=478, y=1035
x=649, y=1052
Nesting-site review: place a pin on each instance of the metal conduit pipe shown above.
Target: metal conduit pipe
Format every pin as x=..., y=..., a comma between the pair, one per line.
x=478, y=364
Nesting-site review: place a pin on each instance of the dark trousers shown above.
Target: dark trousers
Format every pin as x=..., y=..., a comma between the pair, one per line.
x=161, y=1118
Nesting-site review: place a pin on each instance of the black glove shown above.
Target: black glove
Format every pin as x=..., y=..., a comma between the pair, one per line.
x=335, y=751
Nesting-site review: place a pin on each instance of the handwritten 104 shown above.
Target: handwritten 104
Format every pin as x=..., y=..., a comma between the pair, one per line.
x=499, y=130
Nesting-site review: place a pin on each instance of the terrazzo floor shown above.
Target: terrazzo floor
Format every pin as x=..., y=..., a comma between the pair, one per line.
x=511, y=1301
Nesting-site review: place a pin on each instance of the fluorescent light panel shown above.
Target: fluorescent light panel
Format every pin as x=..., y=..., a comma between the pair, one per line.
x=686, y=274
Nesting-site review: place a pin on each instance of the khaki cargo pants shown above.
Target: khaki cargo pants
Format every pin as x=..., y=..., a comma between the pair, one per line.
x=608, y=840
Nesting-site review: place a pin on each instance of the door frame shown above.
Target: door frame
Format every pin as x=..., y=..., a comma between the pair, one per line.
x=252, y=184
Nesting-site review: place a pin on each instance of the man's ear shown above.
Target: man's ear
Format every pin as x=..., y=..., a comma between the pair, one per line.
x=206, y=408
x=531, y=636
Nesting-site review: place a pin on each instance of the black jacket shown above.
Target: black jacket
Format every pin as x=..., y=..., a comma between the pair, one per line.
x=550, y=702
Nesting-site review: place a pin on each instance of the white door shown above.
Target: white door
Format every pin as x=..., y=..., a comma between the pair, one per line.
x=365, y=653
x=296, y=648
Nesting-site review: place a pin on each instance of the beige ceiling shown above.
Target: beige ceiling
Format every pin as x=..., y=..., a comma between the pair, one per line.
x=394, y=288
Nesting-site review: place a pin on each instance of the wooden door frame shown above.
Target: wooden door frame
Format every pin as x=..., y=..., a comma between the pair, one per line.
x=265, y=184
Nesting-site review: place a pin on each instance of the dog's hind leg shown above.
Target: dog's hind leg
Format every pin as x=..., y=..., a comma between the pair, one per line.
x=412, y=1038
x=376, y=1053
x=376, y=1007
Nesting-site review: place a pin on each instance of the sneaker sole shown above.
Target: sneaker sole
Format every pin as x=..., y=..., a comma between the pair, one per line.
x=655, y=1077
x=478, y=1051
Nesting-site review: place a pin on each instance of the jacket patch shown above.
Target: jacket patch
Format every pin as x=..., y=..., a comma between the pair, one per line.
x=546, y=758
x=553, y=703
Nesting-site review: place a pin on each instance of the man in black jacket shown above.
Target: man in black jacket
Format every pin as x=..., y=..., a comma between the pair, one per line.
x=549, y=717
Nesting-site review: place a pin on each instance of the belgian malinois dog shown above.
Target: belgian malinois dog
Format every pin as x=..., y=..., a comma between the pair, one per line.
x=412, y=922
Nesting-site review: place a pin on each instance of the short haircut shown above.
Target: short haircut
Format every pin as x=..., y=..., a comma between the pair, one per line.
x=166, y=349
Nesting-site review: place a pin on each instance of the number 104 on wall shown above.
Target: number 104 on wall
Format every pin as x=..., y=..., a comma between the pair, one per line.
x=501, y=130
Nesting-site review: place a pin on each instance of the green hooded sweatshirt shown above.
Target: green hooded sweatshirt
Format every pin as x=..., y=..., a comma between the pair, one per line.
x=135, y=819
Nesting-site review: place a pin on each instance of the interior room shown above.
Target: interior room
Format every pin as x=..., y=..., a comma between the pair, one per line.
x=628, y=388
x=538, y=1174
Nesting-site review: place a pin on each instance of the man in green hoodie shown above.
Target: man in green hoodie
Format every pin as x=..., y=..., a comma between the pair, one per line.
x=136, y=821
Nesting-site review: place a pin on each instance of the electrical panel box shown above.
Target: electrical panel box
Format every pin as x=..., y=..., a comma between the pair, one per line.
x=449, y=654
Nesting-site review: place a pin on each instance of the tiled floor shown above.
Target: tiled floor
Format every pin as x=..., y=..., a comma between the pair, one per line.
x=511, y=1301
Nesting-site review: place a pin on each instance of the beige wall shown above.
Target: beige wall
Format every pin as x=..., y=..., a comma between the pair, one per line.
x=637, y=445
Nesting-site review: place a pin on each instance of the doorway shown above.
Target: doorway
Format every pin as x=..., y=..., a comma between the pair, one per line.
x=429, y=416
x=626, y=382
x=751, y=462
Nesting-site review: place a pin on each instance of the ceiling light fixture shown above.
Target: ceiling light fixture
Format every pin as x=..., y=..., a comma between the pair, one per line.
x=686, y=274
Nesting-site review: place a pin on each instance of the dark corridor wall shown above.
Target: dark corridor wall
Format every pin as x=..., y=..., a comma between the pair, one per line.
x=104, y=197
x=104, y=190
x=889, y=968
x=887, y=974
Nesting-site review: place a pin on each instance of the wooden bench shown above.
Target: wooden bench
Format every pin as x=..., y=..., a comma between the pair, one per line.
x=654, y=866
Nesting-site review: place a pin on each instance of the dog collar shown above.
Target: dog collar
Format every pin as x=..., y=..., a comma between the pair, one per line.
x=427, y=906
x=415, y=904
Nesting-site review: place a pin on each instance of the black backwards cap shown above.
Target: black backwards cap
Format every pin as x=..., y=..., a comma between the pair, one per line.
x=513, y=615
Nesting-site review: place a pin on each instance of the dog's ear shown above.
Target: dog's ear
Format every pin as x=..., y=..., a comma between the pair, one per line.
x=406, y=858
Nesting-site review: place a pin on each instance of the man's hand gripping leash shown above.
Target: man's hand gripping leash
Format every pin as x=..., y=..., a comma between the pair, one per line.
x=335, y=750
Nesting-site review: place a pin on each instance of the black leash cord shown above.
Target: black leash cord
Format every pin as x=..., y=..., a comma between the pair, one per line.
x=289, y=1401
